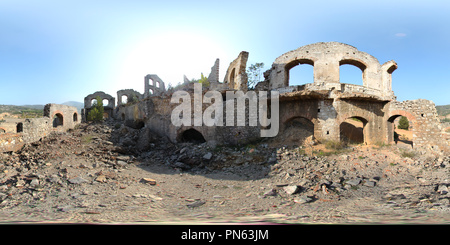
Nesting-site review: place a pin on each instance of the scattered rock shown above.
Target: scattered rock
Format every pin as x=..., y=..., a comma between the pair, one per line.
x=195, y=204
x=354, y=182
x=291, y=189
x=101, y=178
x=207, y=156
x=77, y=180
x=148, y=181
x=442, y=189
x=302, y=199
x=271, y=192
x=34, y=182
x=369, y=183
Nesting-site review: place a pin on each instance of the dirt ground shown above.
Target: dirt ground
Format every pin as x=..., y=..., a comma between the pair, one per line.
x=94, y=174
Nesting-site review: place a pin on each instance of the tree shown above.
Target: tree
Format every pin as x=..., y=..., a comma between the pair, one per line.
x=403, y=123
x=254, y=74
x=204, y=80
x=96, y=113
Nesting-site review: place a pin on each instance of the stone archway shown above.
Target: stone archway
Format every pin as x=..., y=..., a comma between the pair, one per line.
x=392, y=135
x=192, y=135
x=353, y=130
x=58, y=120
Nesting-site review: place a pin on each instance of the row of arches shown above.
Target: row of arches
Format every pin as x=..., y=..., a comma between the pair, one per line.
x=351, y=131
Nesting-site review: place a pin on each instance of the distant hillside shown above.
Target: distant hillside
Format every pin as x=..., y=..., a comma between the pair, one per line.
x=443, y=110
x=22, y=111
x=76, y=104
x=34, y=110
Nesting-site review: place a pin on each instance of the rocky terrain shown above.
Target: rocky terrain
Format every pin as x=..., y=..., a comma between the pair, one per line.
x=100, y=173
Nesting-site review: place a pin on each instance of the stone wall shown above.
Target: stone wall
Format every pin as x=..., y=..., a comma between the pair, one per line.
x=426, y=127
x=327, y=103
x=108, y=108
x=236, y=76
x=57, y=118
x=326, y=59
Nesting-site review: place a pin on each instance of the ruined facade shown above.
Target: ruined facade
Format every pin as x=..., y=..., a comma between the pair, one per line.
x=324, y=105
x=57, y=118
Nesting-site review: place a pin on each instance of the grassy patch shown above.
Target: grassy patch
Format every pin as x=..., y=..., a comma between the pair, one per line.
x=409, y=154
x=86, y=139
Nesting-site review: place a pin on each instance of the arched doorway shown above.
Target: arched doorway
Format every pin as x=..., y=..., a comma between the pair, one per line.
x=192, y=136
x=58, y=120
x=402, y=135
x=295, y=131
x=19, y=127
x=352, y=130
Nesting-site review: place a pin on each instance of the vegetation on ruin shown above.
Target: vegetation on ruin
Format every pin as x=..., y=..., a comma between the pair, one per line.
x=96, y=113
x=254, y=74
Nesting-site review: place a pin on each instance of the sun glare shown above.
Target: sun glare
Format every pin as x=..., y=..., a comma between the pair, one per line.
x=171, y=55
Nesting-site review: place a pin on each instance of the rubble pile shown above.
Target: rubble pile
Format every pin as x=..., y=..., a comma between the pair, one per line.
x=99, y=173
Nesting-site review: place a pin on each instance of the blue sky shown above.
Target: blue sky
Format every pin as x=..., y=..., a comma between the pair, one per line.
x=58, y=51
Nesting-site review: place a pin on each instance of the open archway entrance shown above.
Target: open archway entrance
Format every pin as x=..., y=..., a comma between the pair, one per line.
x=352, y=130
x=192, y=136
x=296, y=131
x=400, y=130
x=58, y=120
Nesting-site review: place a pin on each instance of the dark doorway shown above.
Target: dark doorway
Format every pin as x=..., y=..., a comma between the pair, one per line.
x=192, y=136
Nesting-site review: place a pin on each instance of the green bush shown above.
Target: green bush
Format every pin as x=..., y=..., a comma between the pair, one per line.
x=96, y=113
x=403, y=123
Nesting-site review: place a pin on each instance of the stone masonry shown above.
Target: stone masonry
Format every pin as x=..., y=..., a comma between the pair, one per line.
x=326, y=103
x=57, y=118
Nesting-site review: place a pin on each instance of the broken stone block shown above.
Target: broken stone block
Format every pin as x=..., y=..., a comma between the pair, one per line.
x=354, y=182
x=291, y=189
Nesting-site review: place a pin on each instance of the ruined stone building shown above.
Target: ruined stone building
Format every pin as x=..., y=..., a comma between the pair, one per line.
x=321, y=107
x=16, y=133
x=319, y=110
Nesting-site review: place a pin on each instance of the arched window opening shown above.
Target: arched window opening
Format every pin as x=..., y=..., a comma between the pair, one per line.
x=400, y=132
x=75, y=117
x=19, y=127
x=105, y=102
x=192, y=136
x=299, y=72
x=58, y=120
x=124, y=99
x=349, y=72
x=352, y=130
